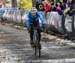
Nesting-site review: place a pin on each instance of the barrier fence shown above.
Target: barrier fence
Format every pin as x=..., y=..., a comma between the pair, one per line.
x=55, y=22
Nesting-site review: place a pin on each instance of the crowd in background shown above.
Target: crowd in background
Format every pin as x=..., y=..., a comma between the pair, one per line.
x=55, y=5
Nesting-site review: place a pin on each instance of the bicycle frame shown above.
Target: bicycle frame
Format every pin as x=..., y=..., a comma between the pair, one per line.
x=36, y=41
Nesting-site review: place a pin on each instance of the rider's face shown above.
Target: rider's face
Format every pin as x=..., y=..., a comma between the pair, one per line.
x=33, y=14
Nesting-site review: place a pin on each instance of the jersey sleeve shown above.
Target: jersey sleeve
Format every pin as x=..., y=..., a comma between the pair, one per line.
x=27, y=21
x=43, y=21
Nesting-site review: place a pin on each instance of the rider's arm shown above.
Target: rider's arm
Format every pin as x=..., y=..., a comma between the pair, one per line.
x=27, y=21
x=42, y=18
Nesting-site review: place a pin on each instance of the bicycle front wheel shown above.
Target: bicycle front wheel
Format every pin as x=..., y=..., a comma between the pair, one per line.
x=37, y=44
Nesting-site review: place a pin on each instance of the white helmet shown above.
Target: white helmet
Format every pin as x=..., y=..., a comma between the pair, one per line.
x=33, y=10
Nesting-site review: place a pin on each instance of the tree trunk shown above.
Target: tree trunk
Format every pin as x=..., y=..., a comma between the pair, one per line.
x=33, y=3
x=14, y=3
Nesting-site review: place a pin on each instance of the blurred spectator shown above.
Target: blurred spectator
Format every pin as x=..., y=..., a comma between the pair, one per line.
x=40, y=6
x=65, y=1
x=60, y=6
x=71, y=4
x=53, y=8
x=70, y=7
x=58, y=9
x=38, y=1
x=47, y=6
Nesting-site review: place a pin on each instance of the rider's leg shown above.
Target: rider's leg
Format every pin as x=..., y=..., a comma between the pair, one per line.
x=31, y=38
x=39, y=34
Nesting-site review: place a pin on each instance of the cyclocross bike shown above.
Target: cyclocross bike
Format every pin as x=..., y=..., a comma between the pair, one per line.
x=37, y=45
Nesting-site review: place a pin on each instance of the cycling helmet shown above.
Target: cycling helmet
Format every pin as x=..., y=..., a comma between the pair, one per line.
x=33, y=10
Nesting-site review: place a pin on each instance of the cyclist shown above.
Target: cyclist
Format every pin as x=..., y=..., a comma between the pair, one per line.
x=33, y=18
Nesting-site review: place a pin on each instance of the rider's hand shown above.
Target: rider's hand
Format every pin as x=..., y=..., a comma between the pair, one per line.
x=28, y=28
x=43, y=26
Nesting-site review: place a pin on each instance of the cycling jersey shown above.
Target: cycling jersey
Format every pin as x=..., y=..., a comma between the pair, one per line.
x=31, y=18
